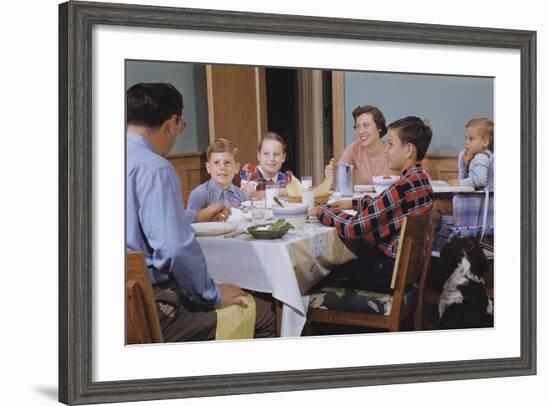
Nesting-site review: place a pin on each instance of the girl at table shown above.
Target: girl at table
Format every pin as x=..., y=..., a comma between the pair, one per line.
x=271, y=156
x=378, y=220
x=475, y=166
x=366, y=153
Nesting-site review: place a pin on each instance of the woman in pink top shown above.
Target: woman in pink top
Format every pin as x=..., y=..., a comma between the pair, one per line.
x=367, y=152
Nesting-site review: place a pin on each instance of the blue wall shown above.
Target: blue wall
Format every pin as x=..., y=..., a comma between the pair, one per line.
x=448, y=102
x=190, y=80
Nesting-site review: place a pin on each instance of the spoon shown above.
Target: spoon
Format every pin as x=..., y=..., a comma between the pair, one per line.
x=278, y=201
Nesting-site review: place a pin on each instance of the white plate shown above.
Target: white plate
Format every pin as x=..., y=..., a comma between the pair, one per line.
x=363, y=188
x=213, y=228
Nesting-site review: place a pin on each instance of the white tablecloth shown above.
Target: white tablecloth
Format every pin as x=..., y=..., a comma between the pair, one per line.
x=286, y=267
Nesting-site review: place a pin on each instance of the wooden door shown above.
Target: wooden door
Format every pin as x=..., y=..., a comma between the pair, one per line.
x=237, y=107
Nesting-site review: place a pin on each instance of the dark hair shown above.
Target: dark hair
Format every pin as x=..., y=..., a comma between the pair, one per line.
x=414, y=130
x=222, y=145
x=274, y=137
x=151, y=104
x=376, y=114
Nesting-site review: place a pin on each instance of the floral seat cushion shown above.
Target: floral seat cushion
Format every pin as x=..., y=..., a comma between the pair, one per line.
x=357, y=301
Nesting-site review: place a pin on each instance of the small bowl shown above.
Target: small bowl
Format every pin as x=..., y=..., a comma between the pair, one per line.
x=294, y=213
x=385, y=180
x=265, y=234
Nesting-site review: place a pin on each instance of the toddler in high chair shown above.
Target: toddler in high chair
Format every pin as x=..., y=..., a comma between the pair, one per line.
x=476, y=155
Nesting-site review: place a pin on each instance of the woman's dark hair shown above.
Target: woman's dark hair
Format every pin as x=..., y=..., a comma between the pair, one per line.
x=151, y=104
x=376, y=114
x=413, y=130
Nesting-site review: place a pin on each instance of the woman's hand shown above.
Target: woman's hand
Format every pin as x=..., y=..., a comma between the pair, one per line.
x=329, y=169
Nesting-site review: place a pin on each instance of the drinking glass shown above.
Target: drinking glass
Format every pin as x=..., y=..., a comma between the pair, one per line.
x=258, y=208
x=307, y=182
x=271, y=191
x=308, y=197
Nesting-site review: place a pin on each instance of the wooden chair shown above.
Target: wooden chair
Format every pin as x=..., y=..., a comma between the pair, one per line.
x=410, y=270
x=142, y=321
x=435, y=222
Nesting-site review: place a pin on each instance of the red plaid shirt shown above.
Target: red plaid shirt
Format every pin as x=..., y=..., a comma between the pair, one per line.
x=379, y=219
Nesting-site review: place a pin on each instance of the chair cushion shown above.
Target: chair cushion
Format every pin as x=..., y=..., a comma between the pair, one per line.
x=356, y=301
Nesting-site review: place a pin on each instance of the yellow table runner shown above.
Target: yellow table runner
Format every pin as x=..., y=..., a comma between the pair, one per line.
x=236, y=322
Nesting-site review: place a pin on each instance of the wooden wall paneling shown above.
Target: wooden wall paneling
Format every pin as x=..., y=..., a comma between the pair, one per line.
x=338, y=114
x=237, y=107
x=441, y=166
x=191, y=170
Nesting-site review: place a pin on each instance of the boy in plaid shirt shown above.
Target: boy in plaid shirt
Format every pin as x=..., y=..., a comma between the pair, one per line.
x=378, y=220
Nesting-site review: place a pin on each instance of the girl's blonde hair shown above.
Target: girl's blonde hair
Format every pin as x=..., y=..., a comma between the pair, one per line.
x=485, y=126
x=274, y=137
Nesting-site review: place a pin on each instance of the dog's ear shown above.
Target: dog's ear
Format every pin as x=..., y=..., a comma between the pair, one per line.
x=477, y=257
x=451, y=255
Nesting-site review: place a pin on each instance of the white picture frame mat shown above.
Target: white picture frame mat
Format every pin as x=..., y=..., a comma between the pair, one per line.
x=113, y=361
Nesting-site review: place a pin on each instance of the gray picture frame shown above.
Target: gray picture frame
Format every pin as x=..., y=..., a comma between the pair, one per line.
x=76, y=20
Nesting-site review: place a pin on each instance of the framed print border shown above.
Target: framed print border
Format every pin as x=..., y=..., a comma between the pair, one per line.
x=76, y=20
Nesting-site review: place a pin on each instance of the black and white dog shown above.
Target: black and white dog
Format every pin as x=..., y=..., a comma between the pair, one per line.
x=464, y=302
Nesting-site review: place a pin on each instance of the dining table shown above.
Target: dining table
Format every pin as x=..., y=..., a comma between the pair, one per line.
x=441, y=190
x=289, y=266
x=286, y=267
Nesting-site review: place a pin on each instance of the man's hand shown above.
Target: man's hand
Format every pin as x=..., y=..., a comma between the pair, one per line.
x=215, y=212
x=342, y=205
x=231, y=294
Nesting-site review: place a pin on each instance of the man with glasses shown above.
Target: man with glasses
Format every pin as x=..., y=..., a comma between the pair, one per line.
x=158, y=224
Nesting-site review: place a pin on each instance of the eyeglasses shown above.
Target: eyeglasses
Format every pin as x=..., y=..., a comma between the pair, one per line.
x=180, y=118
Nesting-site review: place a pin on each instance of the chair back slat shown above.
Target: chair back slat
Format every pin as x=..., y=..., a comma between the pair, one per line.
x=412, y=250
x=142, y=321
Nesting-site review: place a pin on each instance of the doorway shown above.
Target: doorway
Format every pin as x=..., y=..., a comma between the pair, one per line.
x=293, y=98
x=282, y=96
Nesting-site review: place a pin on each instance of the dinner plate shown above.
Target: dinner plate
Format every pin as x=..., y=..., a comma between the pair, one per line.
x=213, y=228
